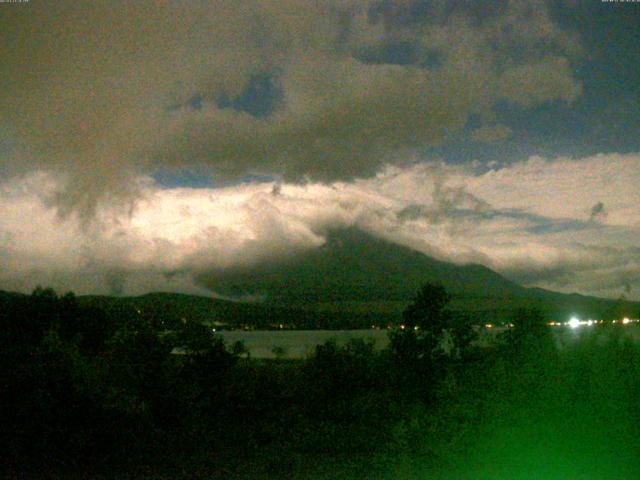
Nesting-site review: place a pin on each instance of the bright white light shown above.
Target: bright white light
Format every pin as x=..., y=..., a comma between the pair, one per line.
x=626, y=320
x=574, y=322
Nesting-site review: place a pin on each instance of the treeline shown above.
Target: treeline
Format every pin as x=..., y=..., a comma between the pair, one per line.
x=88, y=395
x=167, y=310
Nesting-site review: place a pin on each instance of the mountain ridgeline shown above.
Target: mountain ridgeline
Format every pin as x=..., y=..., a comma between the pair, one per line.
x=355, y=266
x=354, y=280
x=354, y=272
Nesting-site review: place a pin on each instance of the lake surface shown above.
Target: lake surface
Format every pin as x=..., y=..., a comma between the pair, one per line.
x=301, y=343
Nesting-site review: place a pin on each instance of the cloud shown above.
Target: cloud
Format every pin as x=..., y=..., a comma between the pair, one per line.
x=490, y=133
x=101, y=93
x=525, y=220
x=598, y=212
x=446, y=202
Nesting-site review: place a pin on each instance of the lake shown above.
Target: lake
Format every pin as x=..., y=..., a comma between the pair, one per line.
x=298, y=343
x=301, y=343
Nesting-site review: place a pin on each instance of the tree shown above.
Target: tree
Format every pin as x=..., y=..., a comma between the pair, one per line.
x=335, y=375
x=279, y=352
x=427, y=311
x=87, y=326
x=620, y=309
x=239, y=349
x=424, y=322
x=529, y=332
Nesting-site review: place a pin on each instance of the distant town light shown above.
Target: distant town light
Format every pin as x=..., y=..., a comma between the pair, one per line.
x=625, y=321
x=574, y=322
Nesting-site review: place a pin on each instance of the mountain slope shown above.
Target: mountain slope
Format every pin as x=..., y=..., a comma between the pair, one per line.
x=353, y=280
x=353, y=265
x=354, y=271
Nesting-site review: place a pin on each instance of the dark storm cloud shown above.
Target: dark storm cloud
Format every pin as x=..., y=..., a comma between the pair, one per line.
x=598, y=212
x=326, y=90
x=304, y=116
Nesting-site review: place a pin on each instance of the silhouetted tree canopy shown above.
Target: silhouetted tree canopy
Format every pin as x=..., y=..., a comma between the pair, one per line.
x=91, y=392
x=427, y=310
x=529, y=332
x=424, y=322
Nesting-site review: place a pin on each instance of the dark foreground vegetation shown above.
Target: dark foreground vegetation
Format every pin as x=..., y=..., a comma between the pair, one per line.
x=90, y=395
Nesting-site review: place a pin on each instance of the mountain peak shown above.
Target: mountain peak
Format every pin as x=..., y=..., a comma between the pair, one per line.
x=354, y=265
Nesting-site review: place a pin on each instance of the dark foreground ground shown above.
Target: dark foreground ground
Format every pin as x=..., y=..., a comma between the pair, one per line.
x=84, y=396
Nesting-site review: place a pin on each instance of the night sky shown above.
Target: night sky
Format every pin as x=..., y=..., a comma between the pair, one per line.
x=142, y=144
